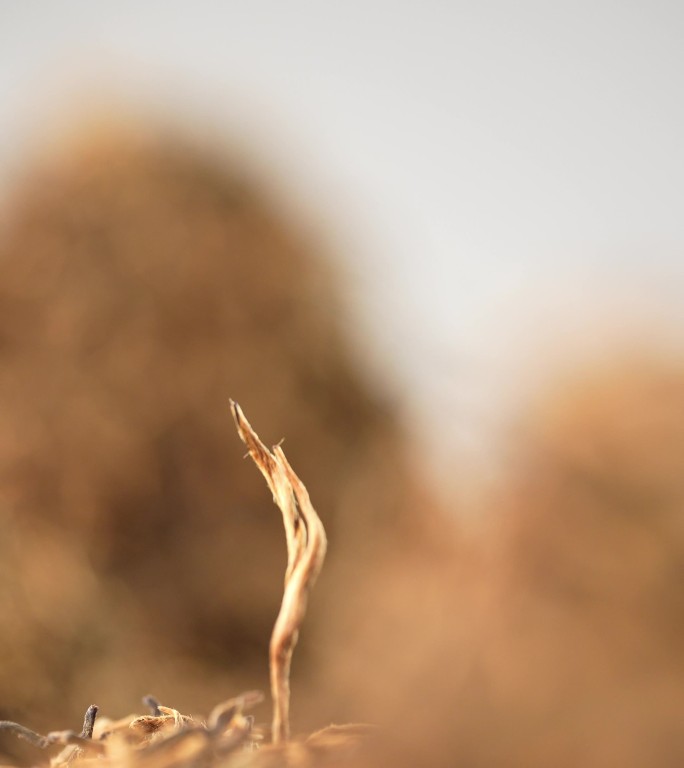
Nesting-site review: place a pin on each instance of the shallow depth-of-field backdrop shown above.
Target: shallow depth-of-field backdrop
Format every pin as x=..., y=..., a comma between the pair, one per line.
x=449, y=280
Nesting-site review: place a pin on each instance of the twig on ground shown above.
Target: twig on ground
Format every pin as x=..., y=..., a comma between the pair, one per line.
x=306, y=547
x=89, y=722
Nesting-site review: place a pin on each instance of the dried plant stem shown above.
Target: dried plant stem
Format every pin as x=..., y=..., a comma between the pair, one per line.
x=89, y=722
x=306, y=546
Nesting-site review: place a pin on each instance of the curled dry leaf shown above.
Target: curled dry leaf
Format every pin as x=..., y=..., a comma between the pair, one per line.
x=306, y=547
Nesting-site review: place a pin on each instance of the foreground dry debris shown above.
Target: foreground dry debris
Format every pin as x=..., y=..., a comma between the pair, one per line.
x=165, y=737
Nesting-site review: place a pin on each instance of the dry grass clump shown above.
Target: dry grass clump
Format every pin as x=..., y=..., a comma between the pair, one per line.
x=162, y=738
x=165, y=738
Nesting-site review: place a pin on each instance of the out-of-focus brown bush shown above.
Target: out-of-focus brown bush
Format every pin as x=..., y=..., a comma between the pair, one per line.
x=142, y=284
x=556, y=637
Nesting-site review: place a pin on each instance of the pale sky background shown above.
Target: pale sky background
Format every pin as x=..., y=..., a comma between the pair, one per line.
x=503, y=180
